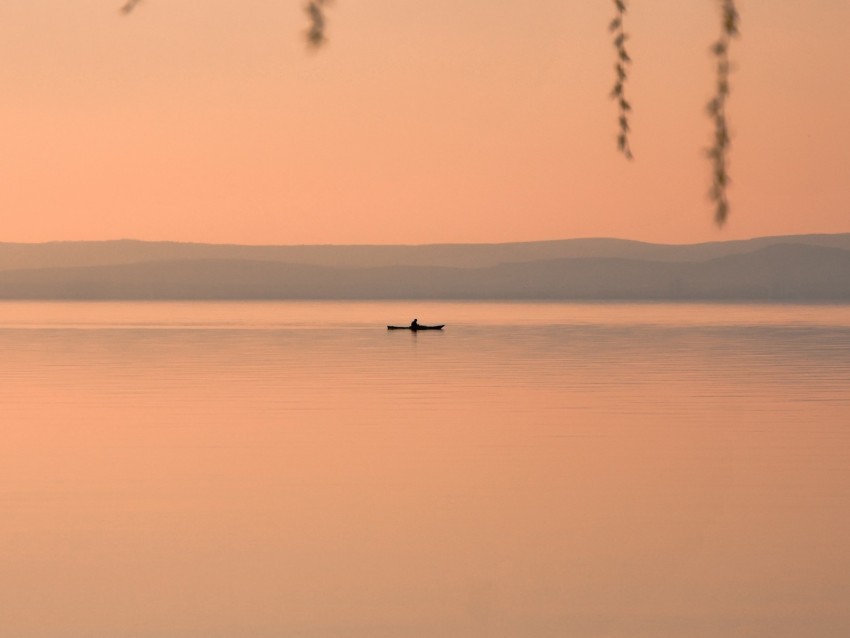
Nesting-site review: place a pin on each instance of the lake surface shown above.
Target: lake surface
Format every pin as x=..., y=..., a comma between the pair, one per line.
x=209, y=470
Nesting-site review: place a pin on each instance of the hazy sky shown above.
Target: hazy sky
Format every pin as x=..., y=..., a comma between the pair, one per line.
x=421, y=121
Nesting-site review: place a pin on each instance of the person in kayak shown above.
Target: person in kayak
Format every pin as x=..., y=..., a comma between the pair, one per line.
x=414, y=325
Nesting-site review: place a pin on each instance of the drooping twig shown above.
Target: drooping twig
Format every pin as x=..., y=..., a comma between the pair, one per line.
x=129, y=6
x=315, y=10
x=618, y=93
x=718, y=153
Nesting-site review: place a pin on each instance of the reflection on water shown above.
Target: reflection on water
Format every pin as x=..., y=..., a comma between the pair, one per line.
x=294, y=469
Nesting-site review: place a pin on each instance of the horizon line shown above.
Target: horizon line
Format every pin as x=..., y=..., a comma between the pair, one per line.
x=408, y=245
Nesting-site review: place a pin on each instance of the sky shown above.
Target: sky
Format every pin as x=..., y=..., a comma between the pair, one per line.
x=420, y=121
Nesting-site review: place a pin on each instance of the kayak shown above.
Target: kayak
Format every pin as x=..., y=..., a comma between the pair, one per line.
x=417, y=328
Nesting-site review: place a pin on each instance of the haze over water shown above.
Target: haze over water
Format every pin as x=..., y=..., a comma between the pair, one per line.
x=179, y=470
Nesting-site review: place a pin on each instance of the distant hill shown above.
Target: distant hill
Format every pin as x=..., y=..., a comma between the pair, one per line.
x=806, y=267
x=106, y=253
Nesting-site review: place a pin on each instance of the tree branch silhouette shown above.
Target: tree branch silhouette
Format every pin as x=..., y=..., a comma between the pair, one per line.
x=618, y=93
x=718, y=153
x=315, y=10
x=129, y=6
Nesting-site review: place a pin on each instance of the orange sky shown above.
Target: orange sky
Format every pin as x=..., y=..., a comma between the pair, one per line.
x=422, y=121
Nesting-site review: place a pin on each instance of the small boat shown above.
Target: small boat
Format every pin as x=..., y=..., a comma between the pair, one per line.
x=417, y=327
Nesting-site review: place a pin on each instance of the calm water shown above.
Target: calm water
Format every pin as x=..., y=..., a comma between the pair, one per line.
x=294, y=469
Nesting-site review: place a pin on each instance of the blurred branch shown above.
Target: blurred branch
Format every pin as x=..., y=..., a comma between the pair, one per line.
x=315, y=10
x=129, y=6
x=618, y=93
x=718, y=153
x=316, y=33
